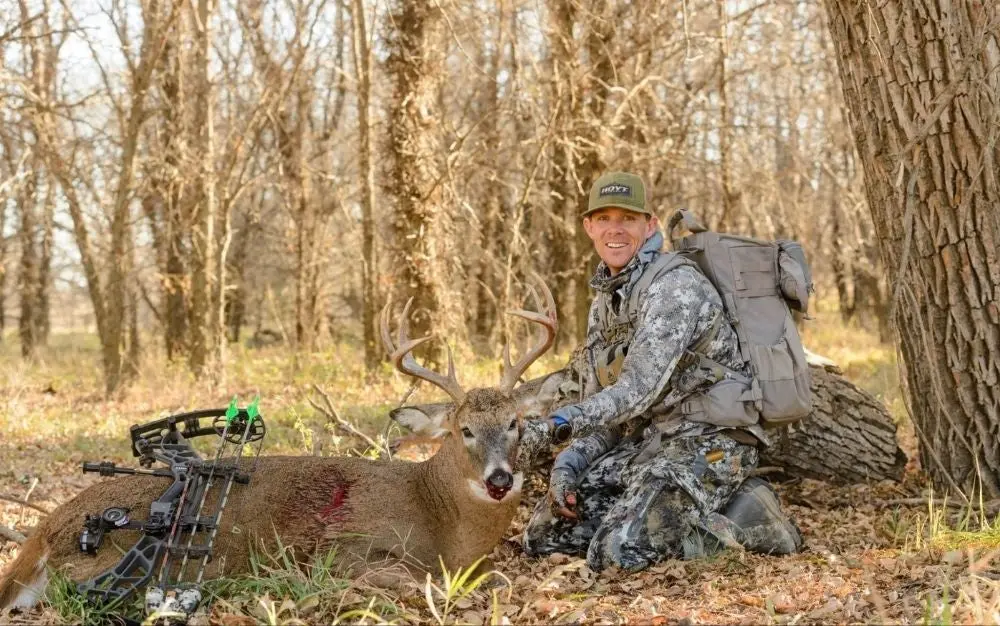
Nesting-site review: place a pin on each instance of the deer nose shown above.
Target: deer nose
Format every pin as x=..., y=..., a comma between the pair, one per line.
x=501, y=479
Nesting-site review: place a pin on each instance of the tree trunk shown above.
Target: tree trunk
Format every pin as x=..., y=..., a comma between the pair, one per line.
x=487, y=271
x=601, y=77
x=203, y=233
x=43, y=317
x=133, y=351
x=840, y=252
x=28, y=277
x=37, y=57
x=236, y=299
x=175, y=287
x=920, y=82
x=581, y=95
x=294, y=154
x=566, y=253
x=217, y=315
x=168, y=189
x=369, y=262
x=725, y=133
x=113, y=339
x=415, y=35
x=3, y=268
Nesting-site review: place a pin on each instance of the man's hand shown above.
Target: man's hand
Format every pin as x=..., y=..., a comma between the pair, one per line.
x=562, y=492
x=536, y=437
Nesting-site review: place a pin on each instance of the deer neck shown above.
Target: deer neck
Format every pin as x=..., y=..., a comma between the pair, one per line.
x=452, y=496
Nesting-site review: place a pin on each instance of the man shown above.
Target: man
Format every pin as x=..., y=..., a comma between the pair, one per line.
x=642, y=479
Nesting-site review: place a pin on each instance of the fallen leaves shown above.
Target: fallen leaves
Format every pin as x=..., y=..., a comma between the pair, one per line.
x=851, y=571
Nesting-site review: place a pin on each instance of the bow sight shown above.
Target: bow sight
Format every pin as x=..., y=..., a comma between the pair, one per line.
x=178, y=529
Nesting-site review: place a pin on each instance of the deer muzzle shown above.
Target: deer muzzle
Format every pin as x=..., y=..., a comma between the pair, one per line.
x=499, y=483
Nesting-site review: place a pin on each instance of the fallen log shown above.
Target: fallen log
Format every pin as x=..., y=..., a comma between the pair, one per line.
x=848, y=438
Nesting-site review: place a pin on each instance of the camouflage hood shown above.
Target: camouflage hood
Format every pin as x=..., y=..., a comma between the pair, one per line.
x=603, y=281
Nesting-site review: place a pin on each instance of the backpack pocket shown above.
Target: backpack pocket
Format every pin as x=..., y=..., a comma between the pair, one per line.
x=794, y=280
x=726, y=403
x=783, y=375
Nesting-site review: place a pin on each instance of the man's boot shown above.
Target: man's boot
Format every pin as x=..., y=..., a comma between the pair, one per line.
x=761, y=524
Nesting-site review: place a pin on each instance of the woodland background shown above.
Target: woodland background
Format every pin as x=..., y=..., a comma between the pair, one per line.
x=180, y=175
x=184, y=185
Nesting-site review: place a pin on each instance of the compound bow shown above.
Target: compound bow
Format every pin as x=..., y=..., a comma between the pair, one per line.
x=178, y=516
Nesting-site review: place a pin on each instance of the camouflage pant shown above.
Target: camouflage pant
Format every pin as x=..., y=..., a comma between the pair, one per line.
x=633, y=513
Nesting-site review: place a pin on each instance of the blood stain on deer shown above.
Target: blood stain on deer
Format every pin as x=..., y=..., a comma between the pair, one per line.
x=335, y=510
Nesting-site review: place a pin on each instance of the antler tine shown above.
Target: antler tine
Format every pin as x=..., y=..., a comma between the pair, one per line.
x=401, y=355
x=549, y=324
x=383, y=323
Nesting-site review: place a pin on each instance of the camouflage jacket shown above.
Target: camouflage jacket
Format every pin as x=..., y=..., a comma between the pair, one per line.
x=679, y=309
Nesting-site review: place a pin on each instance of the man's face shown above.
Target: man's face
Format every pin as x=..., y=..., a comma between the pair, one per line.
x=618, y=234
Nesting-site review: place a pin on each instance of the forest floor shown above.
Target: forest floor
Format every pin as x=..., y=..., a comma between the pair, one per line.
x=875, y=553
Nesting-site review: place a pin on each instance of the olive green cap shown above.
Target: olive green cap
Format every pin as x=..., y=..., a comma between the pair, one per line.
x=618, y=189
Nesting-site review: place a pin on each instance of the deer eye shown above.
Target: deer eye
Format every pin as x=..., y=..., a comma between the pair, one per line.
x=467, y=433
x=513, y=424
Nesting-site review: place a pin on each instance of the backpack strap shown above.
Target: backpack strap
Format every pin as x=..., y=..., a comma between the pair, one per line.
x=629, y=309
x=662, y=264
x=688, y=220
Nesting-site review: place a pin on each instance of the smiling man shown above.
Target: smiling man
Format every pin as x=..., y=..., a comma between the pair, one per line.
x=643, y=479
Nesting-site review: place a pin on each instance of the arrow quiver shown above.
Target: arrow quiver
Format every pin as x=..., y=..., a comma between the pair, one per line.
x=180, y=529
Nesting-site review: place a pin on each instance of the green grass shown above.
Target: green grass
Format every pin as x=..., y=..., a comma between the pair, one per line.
x=277, y=590
x=62, y=597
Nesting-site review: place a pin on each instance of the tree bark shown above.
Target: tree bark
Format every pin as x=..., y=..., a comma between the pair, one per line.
x=415, y=34
x=369, y=262
x=37, y=57
x=725, y=132
x=921, y=86
x=203, y=232
x=293, y=147
x=565, y=97
x=488, y=269
x=43, y=315
x=28, y=276
x=580, y=93
x=168, y=189
x=3, y=270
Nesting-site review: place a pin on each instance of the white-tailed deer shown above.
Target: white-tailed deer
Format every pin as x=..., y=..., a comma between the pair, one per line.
x=454, y=506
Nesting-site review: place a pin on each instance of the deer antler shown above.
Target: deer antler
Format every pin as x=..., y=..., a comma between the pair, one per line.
x=549, y=324
x=401, y=356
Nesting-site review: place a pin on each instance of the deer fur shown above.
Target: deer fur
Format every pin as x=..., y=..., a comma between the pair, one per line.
x=367, y=510
x=452, y=508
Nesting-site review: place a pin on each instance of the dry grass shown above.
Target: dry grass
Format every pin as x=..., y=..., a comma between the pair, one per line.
x=865, y=561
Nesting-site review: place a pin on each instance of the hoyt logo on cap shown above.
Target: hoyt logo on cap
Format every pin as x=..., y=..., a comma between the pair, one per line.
x=615, y=189
x=618, y=190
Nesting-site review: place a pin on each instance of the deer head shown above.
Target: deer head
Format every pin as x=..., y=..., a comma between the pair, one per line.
x=480, y=431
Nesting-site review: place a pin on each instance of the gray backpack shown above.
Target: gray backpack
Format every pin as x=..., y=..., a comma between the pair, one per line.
x=760, y=283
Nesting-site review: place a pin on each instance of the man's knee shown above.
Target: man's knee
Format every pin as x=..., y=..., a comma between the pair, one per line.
x=547, y=534
x=620, y=549
x=656, y=533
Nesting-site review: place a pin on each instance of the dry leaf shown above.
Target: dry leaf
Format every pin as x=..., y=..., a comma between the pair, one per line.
x=888, y=564
x=751, y=600
x=782, y=602
x=651, y=620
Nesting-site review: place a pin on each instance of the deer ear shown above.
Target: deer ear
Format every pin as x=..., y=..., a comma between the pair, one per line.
x=423, y=419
